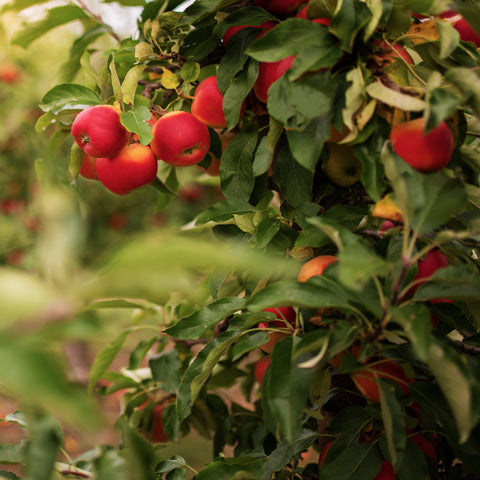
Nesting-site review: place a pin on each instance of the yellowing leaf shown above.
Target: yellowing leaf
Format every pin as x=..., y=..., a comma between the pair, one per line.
x=169, y=79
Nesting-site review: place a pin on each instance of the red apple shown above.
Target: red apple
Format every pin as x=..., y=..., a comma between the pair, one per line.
x=465, y=30
x=9, y=73
x=386, y=472
x=260, y=368
x=425, y=152
x=155, y=431
x=180, y=139
x=425, y=446
x=233, y=30
x=366, y=379
x=269, y=72
x=315, y=267
x=321, y=20
x=280, y=7
x=207, y=104
x=434, y=260
x=323, y=453
x=99, y=132
x=285, y=315
x=386, y=225
x=134, y=167
x=89, y=167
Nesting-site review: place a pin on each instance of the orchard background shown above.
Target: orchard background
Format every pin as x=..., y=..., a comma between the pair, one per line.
x=170, y=330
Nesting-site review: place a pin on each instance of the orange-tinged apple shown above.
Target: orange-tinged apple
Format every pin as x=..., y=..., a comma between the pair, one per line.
x=180, y=139
x=366, y=379
x=315, y=267
x=280, y=7
x=425, y=152
x=207, y=104
x=88, y=168
x=269, y=72
x=343, y=168
x=260, y=368
x=99, y=132
x=134, y=167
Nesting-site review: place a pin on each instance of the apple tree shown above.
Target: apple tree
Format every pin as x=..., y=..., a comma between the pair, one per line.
x=318, y=319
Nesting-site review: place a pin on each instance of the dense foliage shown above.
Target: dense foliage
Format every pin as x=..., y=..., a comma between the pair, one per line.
x=374, y=364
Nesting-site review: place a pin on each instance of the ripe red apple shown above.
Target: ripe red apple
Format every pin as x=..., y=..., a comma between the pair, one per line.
x=207, y=104
x=425, y=152
x=134, y=167
x=386, y=472
x=343, y=168
x=88, y=168
x=425, y=446
x=9, y=73
x=467, y=33
x=366, y=379
x=386, y=225
x=260, y=368
x=280, y=7
x=233, y=30
x=285, y=315
x=180, y=139
x=155, y=431
x=323, y=453
x=99, y=132
x=321, y=20
x=315, y=266
x=434, y=260
x=269, y=72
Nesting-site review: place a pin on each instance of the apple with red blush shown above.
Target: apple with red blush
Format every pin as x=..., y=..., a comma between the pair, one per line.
x=99, y=132
x=135, y=166
x=260, y=368
x=269, y=72
x=424, y=151
x=281, y=8
x=284, y=326
x=180, y=139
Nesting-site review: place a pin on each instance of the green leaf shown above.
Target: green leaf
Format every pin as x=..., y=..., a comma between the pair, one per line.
x=139, y=454
x=457, y=384
x=349, y=19
x=394, y=98
x=196, y=324
x=55, y=17
x=237, y=91
x=238, y=468
x=136, y=121
x=45, y=440
x=322, y=293
x=249, y=15
x=278, y=459
x=200, y=369
x=426, y=201
x=296, y=103
x=115, y=80
x=288, y=38
x=351, y=462
x=104, y=359
x=415, y=321
x=393, y=421
x=34, y=374
x=190, y=71
x=12, y=453
x=306, y=145
x=441, y=105
x=456, y=282
x=130, y=83
x=75, y=160
x=236, y=173
x=294, y=181
x=165, y=368
x=69, y=96
x=18, y=5
x=449, y=37
x=223, y=211
x=287, y=389
x=266, y=148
